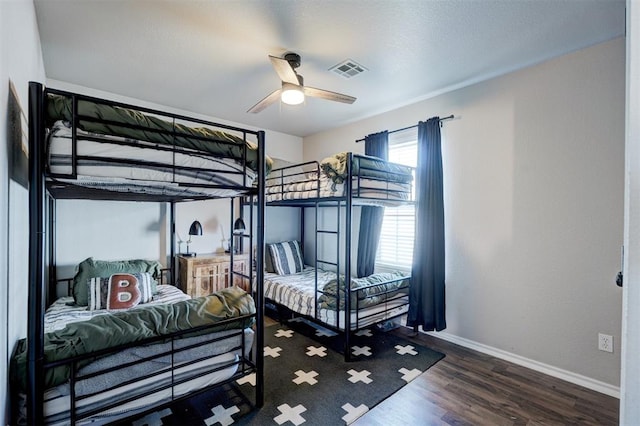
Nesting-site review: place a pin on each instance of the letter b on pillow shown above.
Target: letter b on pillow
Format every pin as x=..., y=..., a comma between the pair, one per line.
x=123, y=292
x=119, y=291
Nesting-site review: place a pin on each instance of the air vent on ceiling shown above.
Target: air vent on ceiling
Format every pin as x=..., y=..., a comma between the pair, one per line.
x=348, y=68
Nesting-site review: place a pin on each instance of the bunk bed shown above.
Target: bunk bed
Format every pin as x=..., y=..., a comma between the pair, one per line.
x=326, y=292
x=78, y=365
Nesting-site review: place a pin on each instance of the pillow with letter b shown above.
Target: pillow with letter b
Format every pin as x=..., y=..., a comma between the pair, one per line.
x=91, y=268
x=119, y=291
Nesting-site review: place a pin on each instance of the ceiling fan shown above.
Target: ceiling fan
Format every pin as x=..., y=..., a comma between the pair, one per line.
x=293, y=89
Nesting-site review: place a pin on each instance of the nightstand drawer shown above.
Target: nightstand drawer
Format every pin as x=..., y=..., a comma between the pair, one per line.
x=204, y=271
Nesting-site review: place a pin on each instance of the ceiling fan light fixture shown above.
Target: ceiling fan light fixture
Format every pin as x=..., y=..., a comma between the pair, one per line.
x=293, y=90
x=292, y=94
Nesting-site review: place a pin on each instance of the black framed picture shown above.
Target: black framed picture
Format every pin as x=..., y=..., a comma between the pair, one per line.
x=18, y=138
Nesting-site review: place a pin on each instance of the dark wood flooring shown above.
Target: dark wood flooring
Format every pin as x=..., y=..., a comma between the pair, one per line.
x=471, y=388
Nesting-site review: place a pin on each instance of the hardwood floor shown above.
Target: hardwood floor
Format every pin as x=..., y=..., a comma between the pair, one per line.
x=471, y=388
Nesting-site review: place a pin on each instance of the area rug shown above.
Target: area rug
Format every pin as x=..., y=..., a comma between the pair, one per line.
x=307, y=382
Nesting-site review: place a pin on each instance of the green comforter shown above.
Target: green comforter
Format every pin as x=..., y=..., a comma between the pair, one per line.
x=135, y=325
x=216, y=142
x=335, y=167
x=369, y=296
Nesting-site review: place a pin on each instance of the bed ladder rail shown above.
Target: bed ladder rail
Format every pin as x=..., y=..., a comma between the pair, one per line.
x=327, y=234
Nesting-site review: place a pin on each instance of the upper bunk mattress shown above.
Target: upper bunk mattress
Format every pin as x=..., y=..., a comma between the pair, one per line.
x=126, y=165
x=367, y=191
x=100, y=117
x=373, y=180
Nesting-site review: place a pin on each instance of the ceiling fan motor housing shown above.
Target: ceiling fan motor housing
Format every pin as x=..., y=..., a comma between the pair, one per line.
x=293, y=59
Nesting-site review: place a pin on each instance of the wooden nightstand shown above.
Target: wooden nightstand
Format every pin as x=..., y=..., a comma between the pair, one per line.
x=206, y=273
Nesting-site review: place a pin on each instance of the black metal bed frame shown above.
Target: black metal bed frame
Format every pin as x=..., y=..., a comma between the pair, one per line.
x=351, y=193
x=43, y=190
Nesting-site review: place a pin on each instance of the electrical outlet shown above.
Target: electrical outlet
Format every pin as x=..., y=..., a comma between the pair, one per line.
x=605, y=342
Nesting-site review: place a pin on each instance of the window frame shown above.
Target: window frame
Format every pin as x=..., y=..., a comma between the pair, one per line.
x=404, y=139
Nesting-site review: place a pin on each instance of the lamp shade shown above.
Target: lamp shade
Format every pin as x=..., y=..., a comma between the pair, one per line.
x=291, y=94
x=238, y=225
x=195, y=228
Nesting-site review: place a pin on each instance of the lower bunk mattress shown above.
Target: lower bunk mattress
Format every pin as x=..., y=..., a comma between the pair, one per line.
x=139, y=376
x=379, y=302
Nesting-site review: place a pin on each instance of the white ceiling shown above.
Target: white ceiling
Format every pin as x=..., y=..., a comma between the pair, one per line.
x=211, y=57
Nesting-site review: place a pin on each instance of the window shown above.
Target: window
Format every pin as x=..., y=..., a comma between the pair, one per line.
x=395, y=249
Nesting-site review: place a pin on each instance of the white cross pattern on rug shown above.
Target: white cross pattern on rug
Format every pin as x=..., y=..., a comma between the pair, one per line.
x=303, y=377
x=316, y=351
x=359, y=376
x=249, y=378
x=357, y=350
x=353, y=413
x=407, y=349
x=290, y=414
x=324, y=333
x=222, y=415
x=365, y=332
x=409, y=375
x=284, y=333
x=154, y=418
x=272, y=352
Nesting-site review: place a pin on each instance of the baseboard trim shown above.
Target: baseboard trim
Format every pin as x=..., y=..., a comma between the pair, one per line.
x=550, y=370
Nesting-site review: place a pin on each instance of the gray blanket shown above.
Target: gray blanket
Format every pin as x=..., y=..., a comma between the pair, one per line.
x=335, y=167
x=373, y=290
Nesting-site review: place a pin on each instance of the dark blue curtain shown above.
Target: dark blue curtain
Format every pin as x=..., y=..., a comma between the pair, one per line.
x=370, y=216
x=426, y=297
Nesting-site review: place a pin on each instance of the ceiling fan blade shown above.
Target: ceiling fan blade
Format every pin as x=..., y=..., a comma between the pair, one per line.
x=284, y=70
x=268, y=100
x=328, y=95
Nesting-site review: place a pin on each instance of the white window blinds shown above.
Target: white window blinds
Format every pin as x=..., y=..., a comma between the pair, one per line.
x=395, y=249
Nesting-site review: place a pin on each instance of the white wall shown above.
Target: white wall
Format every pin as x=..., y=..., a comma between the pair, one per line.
x=20, y=62
x=533, y=175
x=94, y=228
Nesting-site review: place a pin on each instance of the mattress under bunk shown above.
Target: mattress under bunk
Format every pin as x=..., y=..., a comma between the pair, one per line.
x=374, y=299
x=370, y=180
x=182, y=346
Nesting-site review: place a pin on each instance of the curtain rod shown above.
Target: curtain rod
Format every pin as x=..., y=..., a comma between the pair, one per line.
x=449, y=117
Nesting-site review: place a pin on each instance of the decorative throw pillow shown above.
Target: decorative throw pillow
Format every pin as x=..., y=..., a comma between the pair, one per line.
x=91, y=268
x=119, y=291
x=286, y=257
